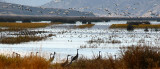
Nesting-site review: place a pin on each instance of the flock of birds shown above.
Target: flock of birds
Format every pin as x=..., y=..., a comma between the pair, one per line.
x=52, y=57
x=40, y=10
x=117, y=11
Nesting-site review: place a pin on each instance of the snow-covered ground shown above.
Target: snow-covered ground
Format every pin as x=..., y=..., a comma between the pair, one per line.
x=71, y=39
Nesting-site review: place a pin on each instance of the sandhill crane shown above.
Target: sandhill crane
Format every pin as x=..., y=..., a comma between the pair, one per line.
x=36, y=54
x=115, y=57
x=99, y=57
x=18, y=55
x=74, y=58
x=52, y=57
x=66, y=62
x=13, y=54
x=31, y=54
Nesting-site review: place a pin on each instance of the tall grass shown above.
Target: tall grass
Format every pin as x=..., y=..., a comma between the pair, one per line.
x=21, y=39
x=141, y=57
x=27, y=62
x=134, y=57
x=24, y=25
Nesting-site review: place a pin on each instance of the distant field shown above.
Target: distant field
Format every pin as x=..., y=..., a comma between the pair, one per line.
x=135, y=26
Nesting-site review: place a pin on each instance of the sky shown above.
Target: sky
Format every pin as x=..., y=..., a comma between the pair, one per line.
x=29, y=2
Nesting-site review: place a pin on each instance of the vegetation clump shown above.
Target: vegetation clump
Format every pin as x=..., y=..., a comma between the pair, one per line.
x=24, y=25
x=21, y=39
x=130, y=28
x=26, y=62
x=135, y=26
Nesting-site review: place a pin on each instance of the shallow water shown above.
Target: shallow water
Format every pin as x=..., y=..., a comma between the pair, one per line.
x=72, y=39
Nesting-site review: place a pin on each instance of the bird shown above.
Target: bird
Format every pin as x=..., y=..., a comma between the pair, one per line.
x=36, y=53
x=13, y=54
x=74, y=58
x=52, y=57
x=31, y=54
x=66, y=62
x=99, y=57
x=115, y=57
x=18, y=55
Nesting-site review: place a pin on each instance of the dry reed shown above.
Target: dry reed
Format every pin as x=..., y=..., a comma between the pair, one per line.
x=24, y=25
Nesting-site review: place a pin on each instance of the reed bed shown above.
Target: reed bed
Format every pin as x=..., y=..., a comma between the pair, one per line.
x=85, y=26
x=26, y=62
x=24, y=25
x=21, y=39
x=133, y=57
x=135, y=26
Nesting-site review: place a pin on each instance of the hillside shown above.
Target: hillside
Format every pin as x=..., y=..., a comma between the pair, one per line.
x=111, y=7
x=16, y=9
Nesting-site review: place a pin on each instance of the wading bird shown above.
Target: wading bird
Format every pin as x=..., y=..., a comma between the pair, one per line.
x=52, y=57
x=66, y=62
x=99, y=57
x=74, y=58
x=36, y=53
x=13, y=54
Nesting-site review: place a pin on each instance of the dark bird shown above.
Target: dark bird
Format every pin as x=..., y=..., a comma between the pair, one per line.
x=31, y=54
x=99, y=57
x=52, y=57
x=74, y=58
x=66, y=62
x=18, y=55
x=36, y=53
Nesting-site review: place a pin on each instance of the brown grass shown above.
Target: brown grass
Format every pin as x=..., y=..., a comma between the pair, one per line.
x=135, y=26
x=56, y=23
x=85, y=26
x=21, y=39
x=24, y=25
x=134, y=57
x=27, y=62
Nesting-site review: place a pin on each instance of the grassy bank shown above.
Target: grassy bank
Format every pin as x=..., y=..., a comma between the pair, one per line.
x=27, y=62
x=24, y=25
x=135, y=26
x=134, y=57
x=25, y=38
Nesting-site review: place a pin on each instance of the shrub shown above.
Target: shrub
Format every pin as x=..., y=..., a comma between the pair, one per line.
x=140, y=57
x=130, y=28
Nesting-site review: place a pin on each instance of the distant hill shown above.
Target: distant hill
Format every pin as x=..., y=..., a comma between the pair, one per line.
x=110, y=7
x=16, y=9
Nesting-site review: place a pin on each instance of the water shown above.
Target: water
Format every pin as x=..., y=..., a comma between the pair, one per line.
x=72, y=39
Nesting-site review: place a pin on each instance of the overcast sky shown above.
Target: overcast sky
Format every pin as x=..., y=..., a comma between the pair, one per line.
x=29, y=2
